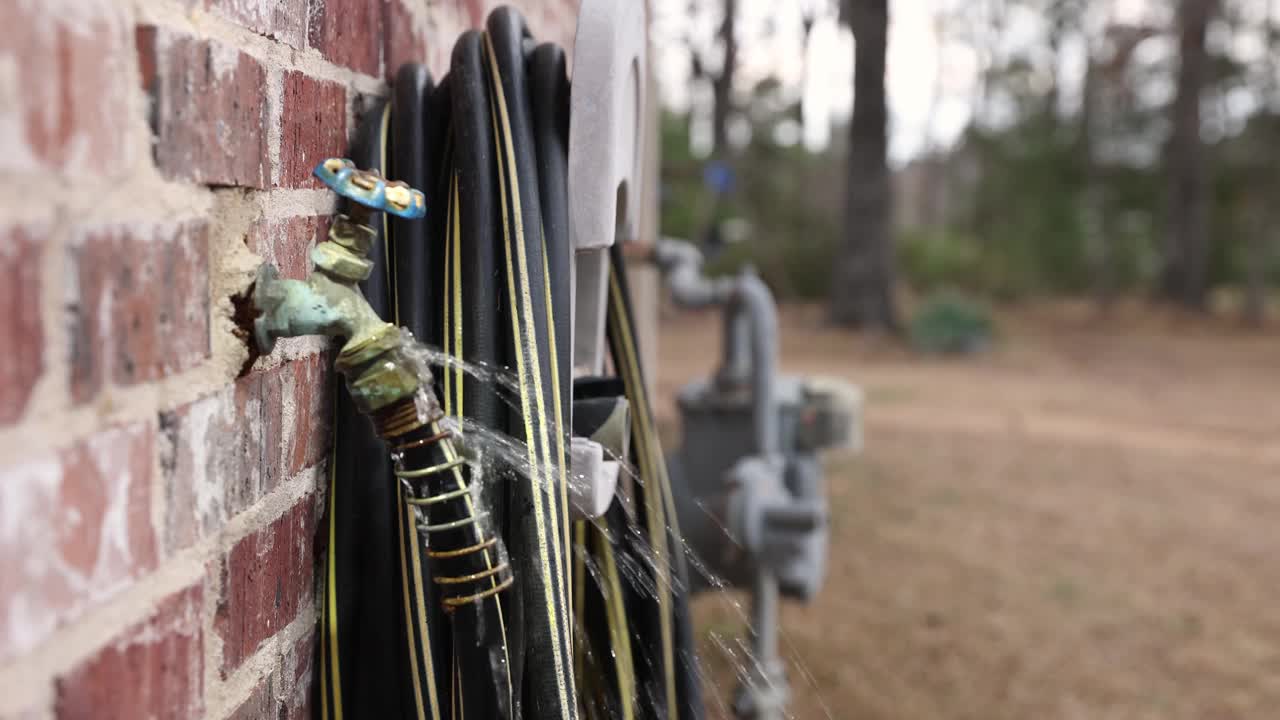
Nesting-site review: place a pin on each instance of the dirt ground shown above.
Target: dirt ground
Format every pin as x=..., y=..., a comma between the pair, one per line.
x=1082, y=523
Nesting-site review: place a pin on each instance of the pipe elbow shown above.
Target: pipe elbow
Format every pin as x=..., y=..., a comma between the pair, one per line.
x=682, y=263
x=294, y=308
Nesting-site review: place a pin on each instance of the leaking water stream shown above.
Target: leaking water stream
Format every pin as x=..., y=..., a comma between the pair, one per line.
x=491, y=453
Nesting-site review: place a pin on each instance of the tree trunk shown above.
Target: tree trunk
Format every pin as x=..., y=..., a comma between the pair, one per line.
x=1058, y=27
x=1097, y=244
x=862, y=285
x=1261, y=212
x=1255, y=288
x=722, y=87
x=1187, y=234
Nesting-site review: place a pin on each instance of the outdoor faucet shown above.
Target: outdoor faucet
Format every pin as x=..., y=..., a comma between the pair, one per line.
x=388, y=384
x=329, y=302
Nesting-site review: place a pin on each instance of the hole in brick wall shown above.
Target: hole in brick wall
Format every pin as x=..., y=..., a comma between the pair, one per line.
x=242, y=315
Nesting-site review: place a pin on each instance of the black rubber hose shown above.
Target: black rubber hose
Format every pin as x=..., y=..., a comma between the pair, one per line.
x=438, y=155
x=414, y=294
x=549, y=95
x=362, y=636
x=411, y=285
x=548, y=683
x=470, y=567
x=606, y=677
x=483, y=302
x=666, y=663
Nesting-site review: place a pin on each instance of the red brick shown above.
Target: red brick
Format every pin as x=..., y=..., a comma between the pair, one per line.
x=261, y=702
x=267, y=578
x=305, y=441
x=21, y=332
x=313, y=127
x=209, y=109
x=405, y=42
x=287, y=243
x=285, y=692
x=71, y=72
x=154, y=669
x=226, y=451
x=298, y=663
x=75, y=529
x=283, y=20
x=295, y=417
x=212, y=452
x=141, y=308
x=347, y=32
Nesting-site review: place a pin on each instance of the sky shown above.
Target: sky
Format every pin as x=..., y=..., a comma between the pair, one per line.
x=933, y=69
x=828, y=93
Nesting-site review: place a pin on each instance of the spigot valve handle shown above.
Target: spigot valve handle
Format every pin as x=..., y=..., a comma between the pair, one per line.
x=370, y=189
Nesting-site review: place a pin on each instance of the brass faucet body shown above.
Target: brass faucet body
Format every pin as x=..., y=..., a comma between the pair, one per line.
x=329, y=302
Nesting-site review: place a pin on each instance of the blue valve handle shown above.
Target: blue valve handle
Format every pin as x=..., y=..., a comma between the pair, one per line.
x=370, y=189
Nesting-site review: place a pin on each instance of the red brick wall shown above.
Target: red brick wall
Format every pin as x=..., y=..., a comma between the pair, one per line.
x=159, y=495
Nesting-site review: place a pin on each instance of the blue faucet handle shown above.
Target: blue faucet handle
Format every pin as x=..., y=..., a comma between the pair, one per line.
x=370, y=189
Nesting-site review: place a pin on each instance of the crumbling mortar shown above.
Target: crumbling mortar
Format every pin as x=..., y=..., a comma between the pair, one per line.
x=224, y=696
x=173, y=15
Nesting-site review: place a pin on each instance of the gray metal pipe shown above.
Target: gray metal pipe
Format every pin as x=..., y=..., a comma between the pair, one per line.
x=753, y=301
x=735, y=362
x=750, y=354
x=681, y=263
x=750, y=328
x=764, y=619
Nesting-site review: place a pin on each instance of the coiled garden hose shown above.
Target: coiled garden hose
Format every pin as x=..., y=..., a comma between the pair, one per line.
x=425, y=614
x=363, y=635
x=534, y=353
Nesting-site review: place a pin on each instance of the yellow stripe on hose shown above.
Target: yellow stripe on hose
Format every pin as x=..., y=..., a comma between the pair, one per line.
x=564, y=679
x=579, y=564
x=324, y=607
x=324, y=658
x=653, y=470
x=453, y=246
x=332, y=593
x=409, y=611
x=555, y=395
x=432, y=695
x=511, y=174
x=455, y=253
x=579, y=590
x=448, y=316
x=619, y=633
x=585, y=664
x=459, y=711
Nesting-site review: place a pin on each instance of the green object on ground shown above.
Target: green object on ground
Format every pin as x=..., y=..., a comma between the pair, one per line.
x=949, y=322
